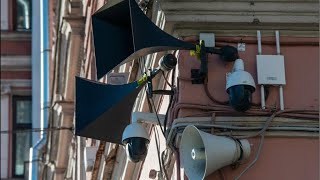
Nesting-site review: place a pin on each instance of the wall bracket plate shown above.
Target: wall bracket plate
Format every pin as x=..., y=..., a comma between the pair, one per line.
x=197, y=78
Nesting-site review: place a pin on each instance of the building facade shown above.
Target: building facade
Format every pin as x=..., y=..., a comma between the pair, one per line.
x=16, y=101
x=24, y=85
x=289, y=149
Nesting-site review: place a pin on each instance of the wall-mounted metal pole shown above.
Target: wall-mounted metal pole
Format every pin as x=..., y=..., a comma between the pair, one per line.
x=263, y=103
x=280, y=87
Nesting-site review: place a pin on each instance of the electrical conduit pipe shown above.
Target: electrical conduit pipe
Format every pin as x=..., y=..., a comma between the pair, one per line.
x=40, y=52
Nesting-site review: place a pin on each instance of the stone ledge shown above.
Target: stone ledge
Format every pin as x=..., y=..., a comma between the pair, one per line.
x=189, y=17
x=15, y=35
x=15, y=62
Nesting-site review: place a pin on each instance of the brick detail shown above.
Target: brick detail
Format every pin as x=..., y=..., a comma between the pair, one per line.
x=15, y=74
x=15, y=47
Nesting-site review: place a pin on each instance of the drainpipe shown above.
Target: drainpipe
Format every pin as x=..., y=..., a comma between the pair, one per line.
x=40, y=55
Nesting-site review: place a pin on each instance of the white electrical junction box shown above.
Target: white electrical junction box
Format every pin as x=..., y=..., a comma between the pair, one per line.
x=208, y=38
x=270, y=69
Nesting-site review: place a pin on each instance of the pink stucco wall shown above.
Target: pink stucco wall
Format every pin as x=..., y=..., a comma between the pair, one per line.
x=301, y=68
x=281, y=157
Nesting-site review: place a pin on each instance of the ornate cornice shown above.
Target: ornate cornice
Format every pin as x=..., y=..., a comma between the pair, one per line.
x=229, y=17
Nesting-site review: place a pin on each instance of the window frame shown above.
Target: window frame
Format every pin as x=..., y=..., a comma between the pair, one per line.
x=12, y=17
x=15, y=16
x=18, y=126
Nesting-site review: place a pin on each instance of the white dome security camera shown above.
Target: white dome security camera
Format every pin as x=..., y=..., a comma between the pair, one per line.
x=135, y=137
x=136, y=141
x=240, y=86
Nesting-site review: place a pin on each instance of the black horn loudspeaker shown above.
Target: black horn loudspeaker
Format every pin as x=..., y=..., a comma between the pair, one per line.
x=122, y=32
x=103, y=110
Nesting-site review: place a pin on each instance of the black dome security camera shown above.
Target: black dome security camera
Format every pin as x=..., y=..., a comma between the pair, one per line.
x=135, y=137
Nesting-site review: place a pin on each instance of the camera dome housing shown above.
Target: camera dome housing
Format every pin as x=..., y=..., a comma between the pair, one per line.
x=240, y=97
x=136, y=141
x=240, y=86
x=137, y=148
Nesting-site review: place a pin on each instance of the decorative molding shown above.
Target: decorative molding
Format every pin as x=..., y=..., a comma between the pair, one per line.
x=75, y=54
x=70, y=55
x=64, y=107
x=233, y=17
x=75, y=7
x=16, y=82
x=76, y=23
x=15, y=62
x=15, y=35
x=5, y=89
x=16, y=87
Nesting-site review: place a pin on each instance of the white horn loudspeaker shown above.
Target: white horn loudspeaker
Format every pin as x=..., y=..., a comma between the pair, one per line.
x=203, y=153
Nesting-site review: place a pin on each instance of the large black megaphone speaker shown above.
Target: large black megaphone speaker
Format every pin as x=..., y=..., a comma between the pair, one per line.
x=122, y=32
x=104, y=110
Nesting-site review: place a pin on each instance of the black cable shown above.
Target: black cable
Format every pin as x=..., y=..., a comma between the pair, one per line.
x=166, y=115
x=149, y=84
x=171, y=97
x=166, y=79
x=173, y=76
x=206, y=89
x=156, y=137
x=158, y=119
x=160, y=159
x=142, y=66
x=162, y=162
x=170, y=100
x=153, y=109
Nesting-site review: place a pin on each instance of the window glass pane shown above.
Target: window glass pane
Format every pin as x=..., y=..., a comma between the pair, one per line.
x=23, y=14
x=23, y=110
x=22, y=146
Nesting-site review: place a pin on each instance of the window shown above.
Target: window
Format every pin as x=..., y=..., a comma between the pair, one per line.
x=21, y=140
x=16, y=15
x=23, y=15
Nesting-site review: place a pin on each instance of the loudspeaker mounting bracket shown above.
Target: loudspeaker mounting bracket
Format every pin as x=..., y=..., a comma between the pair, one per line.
x=196, y=77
